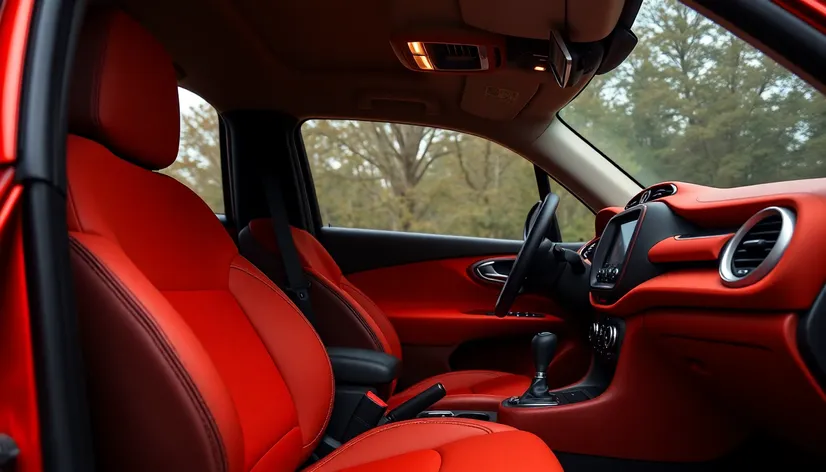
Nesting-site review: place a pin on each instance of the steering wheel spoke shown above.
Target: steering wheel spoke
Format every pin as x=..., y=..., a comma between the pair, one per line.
x=537, y=232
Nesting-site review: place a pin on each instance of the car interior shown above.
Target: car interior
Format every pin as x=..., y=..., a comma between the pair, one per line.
x=408, y=235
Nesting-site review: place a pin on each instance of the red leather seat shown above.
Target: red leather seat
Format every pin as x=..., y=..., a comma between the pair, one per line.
x=195, y=360
x=345, y=316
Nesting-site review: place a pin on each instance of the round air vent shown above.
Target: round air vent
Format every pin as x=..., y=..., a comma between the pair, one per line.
x=756, y=247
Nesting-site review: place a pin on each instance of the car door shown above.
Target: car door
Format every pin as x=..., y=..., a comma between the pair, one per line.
x=426, y=222
x=19, y=426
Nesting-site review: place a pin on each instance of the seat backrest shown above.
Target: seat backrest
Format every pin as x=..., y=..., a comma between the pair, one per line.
x=195, y=360
x=344, y=315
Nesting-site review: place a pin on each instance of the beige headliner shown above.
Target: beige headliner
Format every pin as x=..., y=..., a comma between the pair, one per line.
x=314, y=58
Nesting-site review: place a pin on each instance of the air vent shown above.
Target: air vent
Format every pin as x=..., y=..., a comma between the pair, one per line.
x=588, y=251
x=756, y=247
x=661, y=191
x=652, y=193
x=457, y=56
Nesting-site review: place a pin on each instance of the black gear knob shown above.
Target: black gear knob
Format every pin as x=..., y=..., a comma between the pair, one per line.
x=544, y=347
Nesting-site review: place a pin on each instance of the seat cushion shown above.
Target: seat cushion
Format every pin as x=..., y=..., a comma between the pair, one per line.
x=444, y=445
x=469, y=389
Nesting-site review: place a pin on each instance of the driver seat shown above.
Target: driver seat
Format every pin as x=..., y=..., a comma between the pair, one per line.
x=346, y=317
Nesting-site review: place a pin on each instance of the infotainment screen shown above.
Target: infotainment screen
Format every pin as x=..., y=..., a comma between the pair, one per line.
x=621, y=242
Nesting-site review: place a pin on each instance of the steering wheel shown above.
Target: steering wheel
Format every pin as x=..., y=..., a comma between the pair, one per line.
x=536, y=232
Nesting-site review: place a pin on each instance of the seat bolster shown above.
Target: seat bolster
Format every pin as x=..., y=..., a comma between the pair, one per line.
x=445, y=445
x=300, y=356
x=160, y=366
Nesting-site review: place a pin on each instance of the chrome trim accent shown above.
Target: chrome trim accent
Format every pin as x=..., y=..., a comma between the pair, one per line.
x=483, y=57
x=680, y=237
x=787, y=219
x=490, y=277
x=539, y=375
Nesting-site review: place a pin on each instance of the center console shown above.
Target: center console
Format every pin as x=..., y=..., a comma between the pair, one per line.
x=620, y=261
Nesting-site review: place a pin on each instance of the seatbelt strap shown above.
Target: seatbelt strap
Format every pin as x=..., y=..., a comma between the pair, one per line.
x=298, y=288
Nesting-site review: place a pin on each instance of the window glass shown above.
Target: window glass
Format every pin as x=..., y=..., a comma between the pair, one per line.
x=695, y=103
x=198, y=165
x=411, y=178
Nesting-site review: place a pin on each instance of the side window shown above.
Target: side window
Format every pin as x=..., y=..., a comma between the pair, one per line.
x=198, y=165
x=410, y=178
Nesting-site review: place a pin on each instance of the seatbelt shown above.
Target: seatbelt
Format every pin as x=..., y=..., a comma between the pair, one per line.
x=298, y=288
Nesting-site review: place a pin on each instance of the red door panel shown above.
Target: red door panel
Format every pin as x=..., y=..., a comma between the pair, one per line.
x=438, y=309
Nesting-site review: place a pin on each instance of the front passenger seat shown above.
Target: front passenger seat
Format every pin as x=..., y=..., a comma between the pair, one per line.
x=345, y=316
x=195, y=360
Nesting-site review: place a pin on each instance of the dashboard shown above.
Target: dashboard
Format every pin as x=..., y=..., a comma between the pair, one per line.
x=728, y=284
x=695, y=246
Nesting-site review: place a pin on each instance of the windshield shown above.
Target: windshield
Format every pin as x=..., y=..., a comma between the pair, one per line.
x=694, y=103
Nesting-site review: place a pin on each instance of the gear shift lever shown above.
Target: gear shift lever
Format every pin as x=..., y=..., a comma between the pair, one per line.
x=544, y=347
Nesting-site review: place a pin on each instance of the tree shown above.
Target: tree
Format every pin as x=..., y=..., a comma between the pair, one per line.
x=445, y=182
x=695, y=103
x=198, y=165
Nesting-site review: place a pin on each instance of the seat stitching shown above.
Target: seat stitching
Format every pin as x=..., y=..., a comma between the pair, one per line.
x=381, y=429
x=332, y=380
x=142, y=316
x=378, y=344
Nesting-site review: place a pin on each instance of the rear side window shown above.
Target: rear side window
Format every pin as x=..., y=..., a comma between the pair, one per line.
x=198, y=165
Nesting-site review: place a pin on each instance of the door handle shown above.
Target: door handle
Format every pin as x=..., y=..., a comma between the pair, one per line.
x=493, y=270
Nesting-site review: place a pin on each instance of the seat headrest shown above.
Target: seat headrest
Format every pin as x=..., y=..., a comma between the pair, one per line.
x=124, y=91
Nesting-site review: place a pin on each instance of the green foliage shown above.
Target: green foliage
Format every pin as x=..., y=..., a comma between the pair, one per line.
x=694, y=103
x=198, y=165
x=410, y=178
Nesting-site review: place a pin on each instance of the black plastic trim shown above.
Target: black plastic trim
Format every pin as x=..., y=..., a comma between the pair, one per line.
x=656, y=222
x=65, y=431
x=356, y=250
x=45, y=91
x=363, y=367
x=811, y=338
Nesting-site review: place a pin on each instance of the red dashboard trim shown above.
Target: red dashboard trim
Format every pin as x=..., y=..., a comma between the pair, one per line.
x=677, y=249
x=750, y=363
x=792, y=285
x=603, y=217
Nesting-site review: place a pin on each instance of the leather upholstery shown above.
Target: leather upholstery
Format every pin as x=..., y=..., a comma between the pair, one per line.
x=345, y=316
x=464, y=384
x=115, y=102
x=443, y=445
x=195, y=360
x=175, y=322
